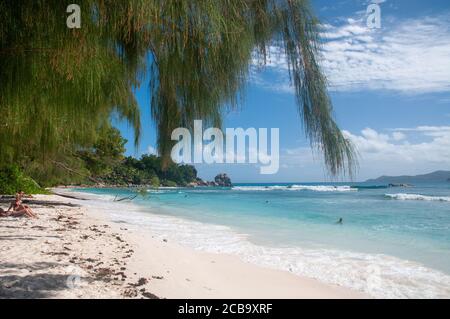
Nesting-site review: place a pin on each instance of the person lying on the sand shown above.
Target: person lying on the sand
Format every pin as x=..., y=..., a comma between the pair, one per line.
x=24, y=212
x=18, y=207
x=17, y=213
x=3, y=213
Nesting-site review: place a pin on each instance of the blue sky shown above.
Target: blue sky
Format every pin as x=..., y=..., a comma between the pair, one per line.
x=390, y=88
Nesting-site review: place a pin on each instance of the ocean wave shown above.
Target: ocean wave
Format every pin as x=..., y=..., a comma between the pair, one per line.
x=314, y=188
x=402, y=196
x=370, y=186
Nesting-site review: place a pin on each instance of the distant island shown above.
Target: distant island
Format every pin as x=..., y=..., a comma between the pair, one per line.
x=437, y=176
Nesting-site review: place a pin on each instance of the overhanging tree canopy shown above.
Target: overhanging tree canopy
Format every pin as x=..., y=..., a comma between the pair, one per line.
x=58, y=86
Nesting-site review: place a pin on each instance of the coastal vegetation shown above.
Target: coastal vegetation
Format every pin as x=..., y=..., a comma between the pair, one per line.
x=13, y=180
x=104, y=164
x=60, y=87
x=148, y=170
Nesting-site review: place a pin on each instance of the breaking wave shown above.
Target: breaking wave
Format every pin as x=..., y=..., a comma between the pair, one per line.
x=418, y=197
x=314, y=188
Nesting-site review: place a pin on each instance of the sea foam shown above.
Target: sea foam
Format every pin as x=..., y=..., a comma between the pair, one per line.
x=314, y=188
x=402, y=196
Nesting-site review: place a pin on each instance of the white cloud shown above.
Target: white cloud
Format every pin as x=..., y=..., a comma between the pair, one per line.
x=409, y=56
x=412, y=56
x=386, y=154
x=433, y=131
x=151, y=150
x=444, y=101
x=399, y=151
x=398, y=136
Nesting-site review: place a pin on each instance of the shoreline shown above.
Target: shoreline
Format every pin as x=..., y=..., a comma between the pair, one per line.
x=78, y=252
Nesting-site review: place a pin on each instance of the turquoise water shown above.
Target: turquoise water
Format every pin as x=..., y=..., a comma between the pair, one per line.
x=393, y=242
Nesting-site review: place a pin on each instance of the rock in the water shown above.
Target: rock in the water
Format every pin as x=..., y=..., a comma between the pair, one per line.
x=220, y=180
x=223, y=180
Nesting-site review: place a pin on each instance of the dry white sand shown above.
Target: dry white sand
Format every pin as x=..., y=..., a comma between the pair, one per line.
x=76, y=252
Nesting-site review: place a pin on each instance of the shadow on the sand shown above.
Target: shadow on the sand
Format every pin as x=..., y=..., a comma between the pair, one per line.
x=31, y=266
x=10, y=227
x=28, y=237
x=43, y=285
x=32, y=286
x=16, y=238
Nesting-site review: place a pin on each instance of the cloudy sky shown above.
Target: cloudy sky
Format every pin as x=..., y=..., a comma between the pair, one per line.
x=390, y=89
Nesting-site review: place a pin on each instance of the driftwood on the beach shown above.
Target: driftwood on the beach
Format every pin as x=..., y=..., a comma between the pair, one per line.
x=68, y=196
x=130, y=198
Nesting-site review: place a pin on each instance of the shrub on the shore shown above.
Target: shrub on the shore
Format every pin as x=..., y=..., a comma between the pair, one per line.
x=13, y=180
x=170, y=184
x=155, y=181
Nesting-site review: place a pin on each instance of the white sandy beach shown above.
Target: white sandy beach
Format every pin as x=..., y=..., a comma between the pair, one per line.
x=76, y=252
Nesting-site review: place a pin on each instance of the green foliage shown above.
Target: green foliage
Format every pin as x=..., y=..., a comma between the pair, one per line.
x=82, y=166
x=148, y=171
x=155, y=181
x=60, y=86
x=62, y=170
x=12, y=180
x=169, y=183
x=57, y=86
x=106, y=153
